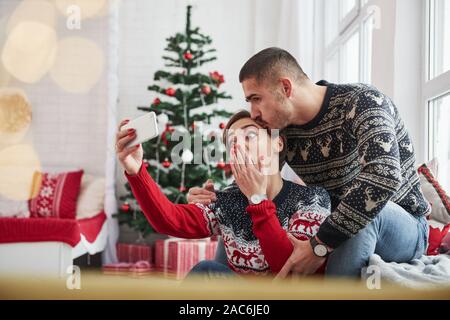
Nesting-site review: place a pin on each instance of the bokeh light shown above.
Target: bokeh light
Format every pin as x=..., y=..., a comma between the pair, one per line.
x=29, y=51
x=40, y=11
x=15, y=115
x=18, y=166
x=78, y=65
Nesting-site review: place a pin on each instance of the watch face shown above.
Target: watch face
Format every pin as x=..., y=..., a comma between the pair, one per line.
x=255, y=199
x=320, y=250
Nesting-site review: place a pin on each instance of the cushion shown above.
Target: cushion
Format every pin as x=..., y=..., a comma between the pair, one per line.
x=13, y=208
x=91, y=198
x=57, y=195
x=433, y=192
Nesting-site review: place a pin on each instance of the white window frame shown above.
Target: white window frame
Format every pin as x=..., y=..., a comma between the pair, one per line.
x=431, y=88
x=353, y=22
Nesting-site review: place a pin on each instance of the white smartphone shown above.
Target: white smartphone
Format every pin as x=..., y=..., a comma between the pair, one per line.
x=146, y=128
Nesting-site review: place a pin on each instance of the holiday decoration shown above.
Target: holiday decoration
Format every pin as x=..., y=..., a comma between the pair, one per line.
x=125, y=207
x=222, y=125
x=206, y=89
x=186, y=100
x=170, y=92
x=175, y=257
x=166, y=163
x=156, y=102
x=217, y=78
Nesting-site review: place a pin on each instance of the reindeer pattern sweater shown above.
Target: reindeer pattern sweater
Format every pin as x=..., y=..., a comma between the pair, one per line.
x=359, y=150
x=255, y=236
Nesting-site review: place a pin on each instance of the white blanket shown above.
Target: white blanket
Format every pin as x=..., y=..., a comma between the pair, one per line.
x=427, y=271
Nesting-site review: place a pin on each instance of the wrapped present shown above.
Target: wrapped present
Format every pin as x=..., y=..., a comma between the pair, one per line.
x=142, y=267
x=176, y=257
x=117, y=268
x=134, y=252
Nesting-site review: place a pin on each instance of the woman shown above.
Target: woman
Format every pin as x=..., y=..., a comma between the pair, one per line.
x=255, y=230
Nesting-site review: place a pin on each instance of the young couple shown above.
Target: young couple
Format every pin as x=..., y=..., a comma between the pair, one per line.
x=348, y=144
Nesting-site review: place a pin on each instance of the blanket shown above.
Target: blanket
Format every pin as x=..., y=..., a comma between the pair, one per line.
x=427, y=271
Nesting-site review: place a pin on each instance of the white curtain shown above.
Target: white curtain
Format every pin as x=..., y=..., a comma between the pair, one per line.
x=109, y=254
x=291, y=25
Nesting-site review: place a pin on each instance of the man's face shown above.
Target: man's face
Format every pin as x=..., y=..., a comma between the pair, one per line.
x=268, y=105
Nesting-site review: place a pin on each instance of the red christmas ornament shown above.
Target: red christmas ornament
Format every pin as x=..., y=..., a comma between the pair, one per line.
x=125, y=207
x=221, y=165
x=222, y=125
x=182, y=188
x=170, y=92
x=188, y=56
x=193, y=125
x=206, y=89
x=156, y=101
x=217, y=78
x=166, y=163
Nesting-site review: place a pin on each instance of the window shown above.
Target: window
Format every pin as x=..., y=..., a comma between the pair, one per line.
x=439, y=110
x=348, y=41
x=439, y=37
x=436, y=86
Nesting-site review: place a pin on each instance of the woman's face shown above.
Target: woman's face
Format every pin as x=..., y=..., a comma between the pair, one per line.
x=256, y=142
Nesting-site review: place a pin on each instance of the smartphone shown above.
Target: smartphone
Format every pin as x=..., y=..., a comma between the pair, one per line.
x=146, y=128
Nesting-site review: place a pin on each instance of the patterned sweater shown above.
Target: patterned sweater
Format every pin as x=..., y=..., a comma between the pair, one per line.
x=359, y=150
x=255, y=237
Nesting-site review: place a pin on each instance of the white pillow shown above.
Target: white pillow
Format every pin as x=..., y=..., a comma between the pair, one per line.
x=91, y=198
x=13, y=208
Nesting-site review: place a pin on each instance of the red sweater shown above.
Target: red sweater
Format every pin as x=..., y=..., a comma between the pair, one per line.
x=270, y=250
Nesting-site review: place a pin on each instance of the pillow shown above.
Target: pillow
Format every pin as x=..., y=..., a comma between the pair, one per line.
x=13, y=208
x=433, y=192
x=92, y=195
x=57, y=195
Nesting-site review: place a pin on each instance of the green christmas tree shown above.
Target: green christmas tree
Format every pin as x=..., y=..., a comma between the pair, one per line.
x=186, y=100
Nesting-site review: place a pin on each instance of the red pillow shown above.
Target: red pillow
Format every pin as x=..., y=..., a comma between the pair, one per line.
x=56, y=195
x=435, y=239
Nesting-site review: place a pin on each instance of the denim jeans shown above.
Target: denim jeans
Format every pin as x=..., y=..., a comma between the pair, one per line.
x=210, y=269
x=394, y=234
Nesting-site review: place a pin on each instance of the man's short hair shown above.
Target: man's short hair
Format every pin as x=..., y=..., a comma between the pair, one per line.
x=270, y=64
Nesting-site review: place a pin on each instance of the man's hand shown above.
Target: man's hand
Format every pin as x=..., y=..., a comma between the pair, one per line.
x=204, y=195
x=302, y=260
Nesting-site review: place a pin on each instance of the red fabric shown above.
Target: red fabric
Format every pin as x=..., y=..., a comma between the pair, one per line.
x=57, y=196
x=38, y=230
x=435, y=239
x=134, y=252
x=423, y=169
x=50, y=229
x=91, y=227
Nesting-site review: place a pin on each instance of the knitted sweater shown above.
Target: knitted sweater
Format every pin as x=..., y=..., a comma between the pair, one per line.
x=359, y=150
x=255, y=236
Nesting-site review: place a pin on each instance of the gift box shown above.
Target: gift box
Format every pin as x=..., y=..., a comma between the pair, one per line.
x=133, y=253
x=176, y=257
x=135, y=269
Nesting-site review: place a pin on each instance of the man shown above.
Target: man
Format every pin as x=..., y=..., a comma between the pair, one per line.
x=349, y=139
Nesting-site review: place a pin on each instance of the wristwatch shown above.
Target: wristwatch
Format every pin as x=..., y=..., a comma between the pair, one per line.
x=319, y=249
x=257, y=198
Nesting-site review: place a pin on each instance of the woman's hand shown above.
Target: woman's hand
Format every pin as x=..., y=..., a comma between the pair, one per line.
x=129, y=157
x=248, y=175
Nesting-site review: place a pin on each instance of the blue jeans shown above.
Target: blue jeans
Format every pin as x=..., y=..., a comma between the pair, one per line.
x=394, y=234
x=210, y=269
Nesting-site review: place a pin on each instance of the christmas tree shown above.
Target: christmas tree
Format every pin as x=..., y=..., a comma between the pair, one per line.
x=185, y=103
